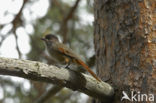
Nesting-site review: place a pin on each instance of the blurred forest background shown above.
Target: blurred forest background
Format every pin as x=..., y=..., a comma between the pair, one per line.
x=23, y=23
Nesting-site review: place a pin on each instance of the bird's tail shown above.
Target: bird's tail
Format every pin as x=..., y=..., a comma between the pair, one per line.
x=88, y=69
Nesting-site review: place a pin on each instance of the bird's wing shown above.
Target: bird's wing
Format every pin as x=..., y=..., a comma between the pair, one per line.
x=67, y=51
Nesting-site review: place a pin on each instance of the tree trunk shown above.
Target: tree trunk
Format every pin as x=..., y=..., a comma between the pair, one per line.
x=125, y=46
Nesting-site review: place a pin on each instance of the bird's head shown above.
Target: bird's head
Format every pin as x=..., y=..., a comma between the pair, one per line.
x=50, y=38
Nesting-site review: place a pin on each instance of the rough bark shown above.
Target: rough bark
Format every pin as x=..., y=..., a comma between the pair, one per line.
x=125, y=44
x=66, y=78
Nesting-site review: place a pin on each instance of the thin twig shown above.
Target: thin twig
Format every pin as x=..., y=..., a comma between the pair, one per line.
x=17, y=20
x=17, y=46
x=64, y=28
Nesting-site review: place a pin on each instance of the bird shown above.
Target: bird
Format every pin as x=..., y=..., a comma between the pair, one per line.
x=63, y=54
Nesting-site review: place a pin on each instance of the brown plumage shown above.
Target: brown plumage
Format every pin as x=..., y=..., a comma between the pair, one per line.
x=63, y=54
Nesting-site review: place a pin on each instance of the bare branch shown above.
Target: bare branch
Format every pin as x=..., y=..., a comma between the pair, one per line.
x=64, y=28
x=66, y=78
x=16, y=22
x=17, y=18
x=17, y=46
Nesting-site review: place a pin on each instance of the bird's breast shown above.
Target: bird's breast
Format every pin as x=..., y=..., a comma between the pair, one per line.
x=60, y=58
